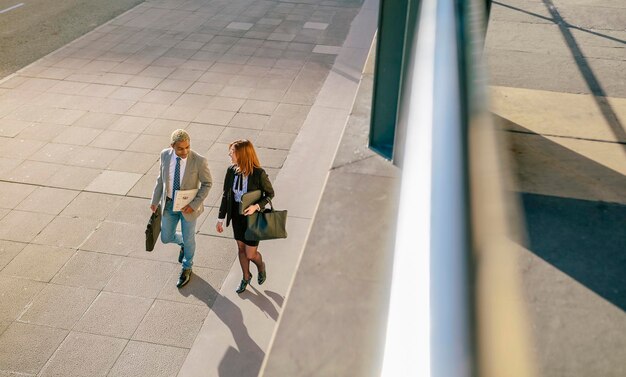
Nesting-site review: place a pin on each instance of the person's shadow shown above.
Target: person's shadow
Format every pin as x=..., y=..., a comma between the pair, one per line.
x=246, y=360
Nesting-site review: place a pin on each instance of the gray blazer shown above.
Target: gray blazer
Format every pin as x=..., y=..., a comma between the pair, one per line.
x=197, y=175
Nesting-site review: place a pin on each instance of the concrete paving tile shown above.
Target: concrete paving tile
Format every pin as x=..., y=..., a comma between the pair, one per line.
x=231, y=134
x=225, y=103
x=25, y=348
x=114, y=315
x=84, y=355
x=113, y=182
x=205, y=88
x=197, y=101
x=273, y=158
x=259, y=107
x=10, y=128
x=217, y=117
x=275, y=140
x=161, y=97
x=37, y=84
x=141, y=359
x=77, y=136
x=32, y=172
x=114, y=140
x=164, y=127
x=315, y=25
x=68, y=232
x=181, y=113
x=208, y=132
x=134, y=211
x=8, y=164
x=133, y=162
x=63, y=116
x=116, y=238
x=157, y=71
x=19, y=148
x=252, y=121
x=208, y=226
x=215, y=252
x=92, y=206
x=38, y=262
x=91, y=157
x=131, y=124
x=59, y=306
x=128, y=93
x=239, y=25
x=144, y=82
x=150, y=144
x=88, y=270
x=98, y=90
x=202, y=289
x=164, y=323
x=112, y=106
x=72, y=177
x=263, y=94
x=145, y=109
x=219, y=78
x=236, y=91
x=170, y=85
x=186, y=74
x=23, y=226
x=145, y=186
x=143, y=278
x=12, y=194
x=16, y=294
x=8, y=251
x=42, y=131
x=55, y=153
x=245, y=81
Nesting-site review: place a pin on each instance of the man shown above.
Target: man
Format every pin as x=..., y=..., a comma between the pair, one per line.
x=181, y=169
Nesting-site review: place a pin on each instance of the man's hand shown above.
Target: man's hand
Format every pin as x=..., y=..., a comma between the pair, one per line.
x=219, y=227
x=186, y=209
x=153, y=208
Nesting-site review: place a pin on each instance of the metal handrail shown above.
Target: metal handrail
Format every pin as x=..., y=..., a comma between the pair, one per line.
x=438, y=324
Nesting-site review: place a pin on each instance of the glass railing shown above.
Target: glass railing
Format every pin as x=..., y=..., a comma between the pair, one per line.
x=455, y=305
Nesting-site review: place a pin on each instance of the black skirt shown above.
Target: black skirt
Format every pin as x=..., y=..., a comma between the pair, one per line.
x=240, y=224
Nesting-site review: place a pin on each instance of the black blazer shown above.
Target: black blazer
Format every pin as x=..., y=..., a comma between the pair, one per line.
x=258, y=180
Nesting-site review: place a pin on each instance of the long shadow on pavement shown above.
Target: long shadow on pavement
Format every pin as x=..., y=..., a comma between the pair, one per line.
x=567, y=222
x=248, y=356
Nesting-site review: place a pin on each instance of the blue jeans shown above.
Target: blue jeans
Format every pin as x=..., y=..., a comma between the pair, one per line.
x=186, y=239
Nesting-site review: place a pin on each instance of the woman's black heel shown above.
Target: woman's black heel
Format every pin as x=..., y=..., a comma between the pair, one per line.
x=244, y=283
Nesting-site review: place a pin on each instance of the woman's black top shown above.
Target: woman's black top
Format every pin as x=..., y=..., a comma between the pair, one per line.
x=258, y=180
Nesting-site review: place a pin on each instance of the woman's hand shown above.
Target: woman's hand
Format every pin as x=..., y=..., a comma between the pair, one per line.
x=153, y=208
x=219, y=227
x=251, y=209
x=187, y=209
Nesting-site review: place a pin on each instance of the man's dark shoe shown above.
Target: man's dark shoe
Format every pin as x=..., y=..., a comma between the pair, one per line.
x=185, y=276
x=181, y=254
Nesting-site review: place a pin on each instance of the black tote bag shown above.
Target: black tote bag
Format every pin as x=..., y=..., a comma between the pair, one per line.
x=153, y=229
x=268, y=224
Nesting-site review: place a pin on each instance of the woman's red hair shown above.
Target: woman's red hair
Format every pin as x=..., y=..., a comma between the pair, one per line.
x=246, y=156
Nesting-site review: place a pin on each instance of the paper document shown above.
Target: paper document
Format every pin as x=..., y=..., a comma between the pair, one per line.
x=182, y=198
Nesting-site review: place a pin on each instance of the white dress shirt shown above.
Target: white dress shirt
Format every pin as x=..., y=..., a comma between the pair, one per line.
x=170, y=184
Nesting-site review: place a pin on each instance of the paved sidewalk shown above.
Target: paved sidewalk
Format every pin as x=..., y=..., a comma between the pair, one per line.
x=80, y=132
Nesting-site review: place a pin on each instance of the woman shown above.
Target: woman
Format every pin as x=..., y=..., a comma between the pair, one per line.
x=245, y=174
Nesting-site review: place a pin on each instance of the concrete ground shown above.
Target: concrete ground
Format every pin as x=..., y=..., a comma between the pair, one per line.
x=559, y=91
x=81, y=128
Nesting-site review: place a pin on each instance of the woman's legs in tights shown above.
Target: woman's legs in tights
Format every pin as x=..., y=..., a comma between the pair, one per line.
x=246, y=254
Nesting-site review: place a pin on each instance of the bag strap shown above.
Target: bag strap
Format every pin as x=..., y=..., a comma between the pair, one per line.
x=271, y=205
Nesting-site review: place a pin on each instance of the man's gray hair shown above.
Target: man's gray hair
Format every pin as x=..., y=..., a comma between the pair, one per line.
x=179, y=135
